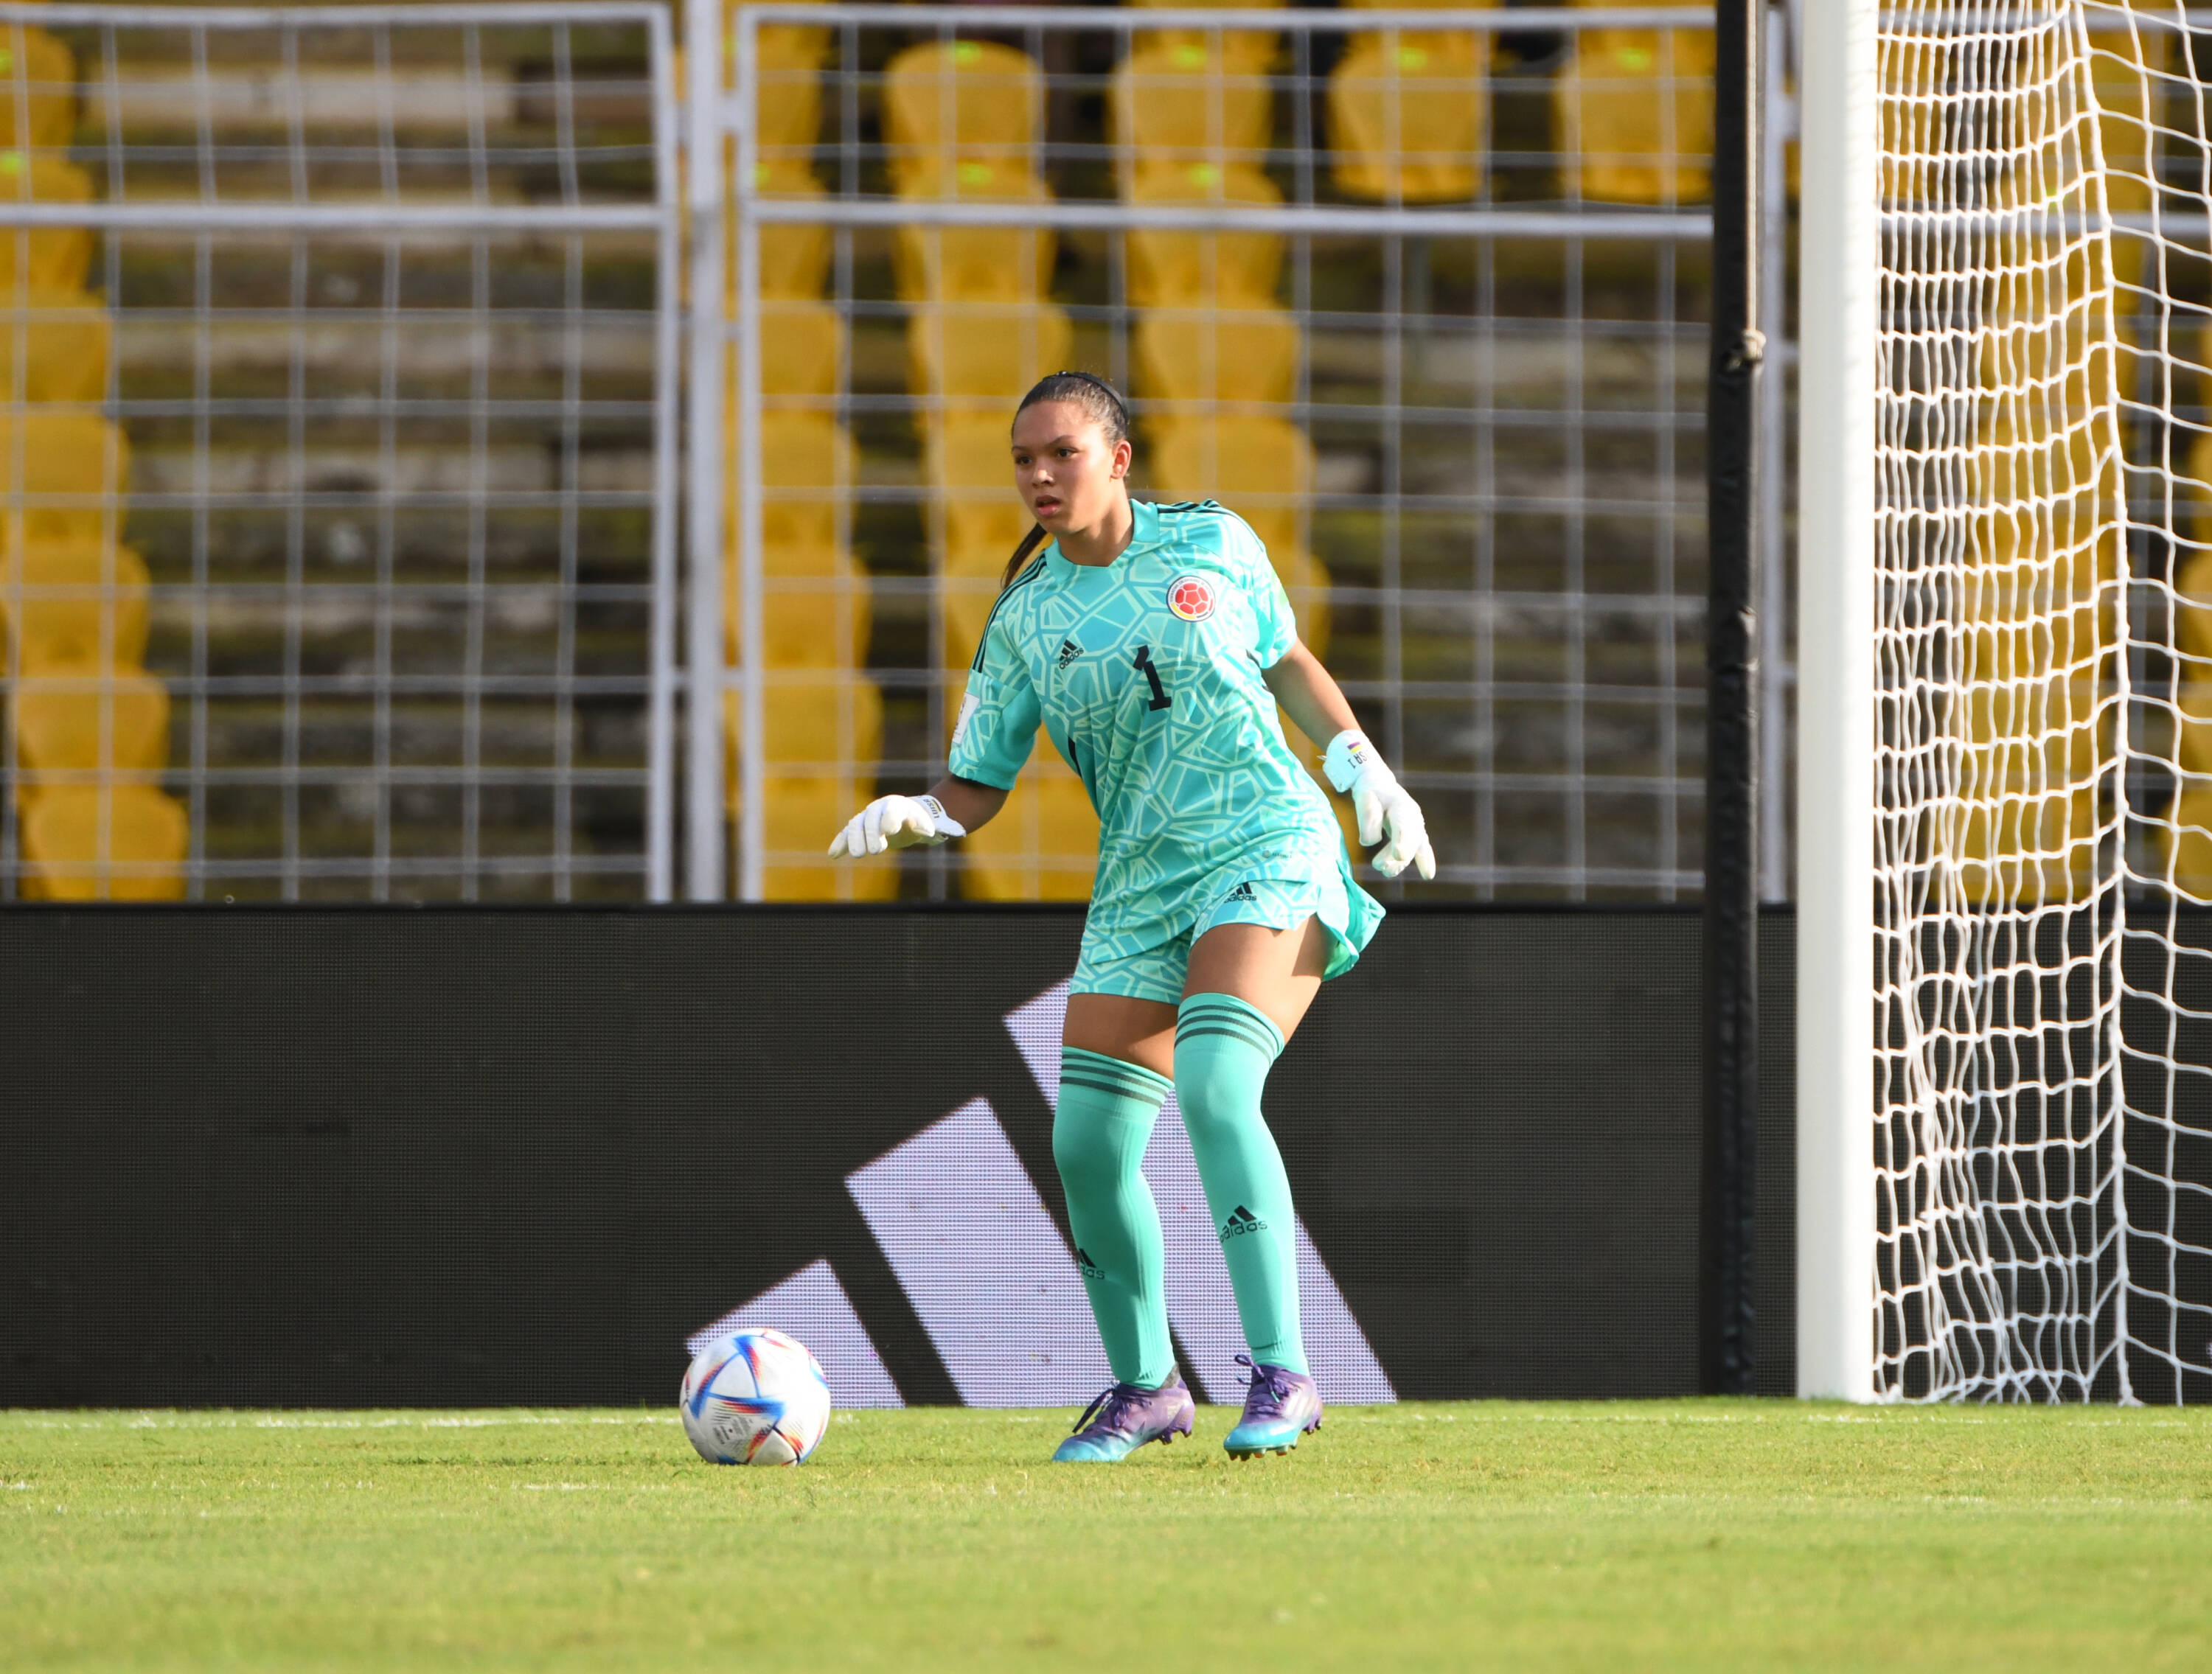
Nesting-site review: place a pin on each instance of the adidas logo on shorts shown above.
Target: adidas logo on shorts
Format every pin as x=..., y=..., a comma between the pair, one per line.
x=1240, y=1221
x=1069, y=651
x=1242, y=892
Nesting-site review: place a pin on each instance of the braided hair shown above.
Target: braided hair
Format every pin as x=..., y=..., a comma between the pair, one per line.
x=1099, y=401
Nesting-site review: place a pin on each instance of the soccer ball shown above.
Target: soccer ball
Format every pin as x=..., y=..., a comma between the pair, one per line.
x=756, y=1398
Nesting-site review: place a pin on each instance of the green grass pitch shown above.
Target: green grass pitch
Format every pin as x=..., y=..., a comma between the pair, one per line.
x=1688, y=1535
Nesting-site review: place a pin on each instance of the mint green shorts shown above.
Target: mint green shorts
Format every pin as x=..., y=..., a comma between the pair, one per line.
x=1347, y=912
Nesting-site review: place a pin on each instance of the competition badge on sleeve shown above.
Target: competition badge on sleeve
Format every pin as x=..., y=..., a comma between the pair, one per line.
x=1190, y=596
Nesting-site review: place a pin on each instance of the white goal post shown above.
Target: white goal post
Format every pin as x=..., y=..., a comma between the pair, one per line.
x=2004, y=1026
x=1838, y=259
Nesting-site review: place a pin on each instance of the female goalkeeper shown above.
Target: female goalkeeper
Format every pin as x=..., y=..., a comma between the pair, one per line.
x=1155, y=643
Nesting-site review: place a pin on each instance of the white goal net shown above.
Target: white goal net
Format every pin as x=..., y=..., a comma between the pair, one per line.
x=2043, y=726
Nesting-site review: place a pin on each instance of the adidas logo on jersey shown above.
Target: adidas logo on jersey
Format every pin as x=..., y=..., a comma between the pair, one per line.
x=1089, y=1268
x=1241, y=1221
x=1069, y=651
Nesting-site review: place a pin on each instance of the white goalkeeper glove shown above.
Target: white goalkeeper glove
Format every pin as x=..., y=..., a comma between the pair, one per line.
x=1382, y=805
x=895, y=823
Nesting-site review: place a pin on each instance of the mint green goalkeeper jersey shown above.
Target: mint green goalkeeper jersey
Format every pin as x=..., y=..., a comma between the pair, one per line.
x=1146, y=673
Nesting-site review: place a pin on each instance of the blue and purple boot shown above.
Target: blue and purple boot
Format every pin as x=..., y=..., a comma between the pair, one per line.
x=1279, y=1406
x=1125, y=1418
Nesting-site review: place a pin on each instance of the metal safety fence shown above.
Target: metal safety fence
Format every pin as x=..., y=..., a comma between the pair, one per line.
x=1421, y=293
x=338, y=465
x=340, y=474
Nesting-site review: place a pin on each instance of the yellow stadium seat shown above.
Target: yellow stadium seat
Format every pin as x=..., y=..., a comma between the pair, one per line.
x=1232, y=270
x=1250, y=51
x=802, y=348
x=806, y=464
x=819, y=721
x=2204, y=390
x=45, y=258
x=829, y=725
x=968, y=595
x=962, y=101
x=1262, y=470
x=2186, y=836
x=78, y=603
x=2192, y=614
x=105, y=842
x=2035, y=600
x=831, y=729
x=784, y=43
x=794, y=257
x=1184, y=102
x=1918, y=162
x=72, y=721
x=802, y=364
x=975, y=264
x=816, y=612
x=43, y=72
x=983, y=532
x=1247, y=358
x=801, y=816
x=1043, y=844
x=62, y=477
x=2020, y=836
x=66, y=338
x=1636, y=115
x=1407, y=113
x=970, y=469
x=787, y=86
x=2126, y=70
x=970, y=459
x=2025, y=823
x=2200, y=461
x=1260, y=467
x=979, y=358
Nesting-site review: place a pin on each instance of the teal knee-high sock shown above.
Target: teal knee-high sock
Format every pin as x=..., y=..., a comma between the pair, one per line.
x=1107, y=1109
x=1223, y=1050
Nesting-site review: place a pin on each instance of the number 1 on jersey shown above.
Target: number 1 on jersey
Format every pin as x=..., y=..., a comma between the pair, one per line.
x=1144, y=662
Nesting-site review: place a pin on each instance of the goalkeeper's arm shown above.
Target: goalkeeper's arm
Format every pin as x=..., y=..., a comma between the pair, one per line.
x=1387, y=814
x=952, y=808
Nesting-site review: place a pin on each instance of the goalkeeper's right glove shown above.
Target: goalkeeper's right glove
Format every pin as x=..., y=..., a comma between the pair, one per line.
x=895, y=823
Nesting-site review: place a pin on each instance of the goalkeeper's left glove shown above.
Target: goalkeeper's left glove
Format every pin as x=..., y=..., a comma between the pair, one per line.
x=1382, y=805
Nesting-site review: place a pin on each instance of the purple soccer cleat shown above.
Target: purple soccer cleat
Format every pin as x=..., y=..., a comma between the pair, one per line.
x=1279, y=1407
x=1125, y=1418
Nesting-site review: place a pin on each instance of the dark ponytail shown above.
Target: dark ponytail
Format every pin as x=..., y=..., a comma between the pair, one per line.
x=1100, y=401
x=1030, y=542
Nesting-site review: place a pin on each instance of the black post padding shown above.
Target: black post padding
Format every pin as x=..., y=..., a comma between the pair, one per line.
x=1731, y=956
